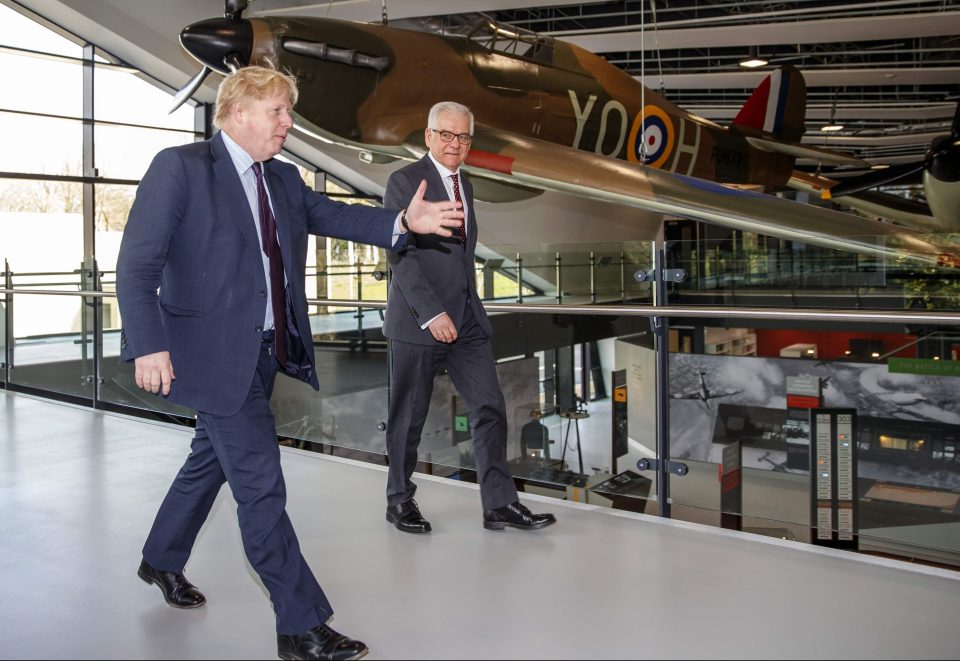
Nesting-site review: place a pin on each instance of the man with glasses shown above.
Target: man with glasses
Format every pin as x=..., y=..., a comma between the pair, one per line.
x=435, y=319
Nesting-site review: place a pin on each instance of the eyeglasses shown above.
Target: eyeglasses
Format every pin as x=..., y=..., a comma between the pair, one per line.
x=447, y=136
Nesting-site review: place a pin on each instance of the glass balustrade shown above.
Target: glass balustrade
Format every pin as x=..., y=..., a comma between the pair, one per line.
x=821, y=406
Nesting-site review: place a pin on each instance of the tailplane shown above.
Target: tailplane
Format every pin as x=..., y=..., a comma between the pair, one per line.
x=778, y=106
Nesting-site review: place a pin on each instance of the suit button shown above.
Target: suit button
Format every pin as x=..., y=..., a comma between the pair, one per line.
x=259, y=329
x=466, y=291
x=263, y=293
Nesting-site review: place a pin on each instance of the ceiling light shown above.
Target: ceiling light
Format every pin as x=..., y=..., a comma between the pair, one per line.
x=832, y=126
x=753, y=60
x=879, y=166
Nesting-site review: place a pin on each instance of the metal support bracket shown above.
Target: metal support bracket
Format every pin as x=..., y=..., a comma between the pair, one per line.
x=675, y=467
x=669, y=275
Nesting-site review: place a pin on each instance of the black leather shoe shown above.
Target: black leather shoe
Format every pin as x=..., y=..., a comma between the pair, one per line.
x=177, y=590
x=321, y=642
x=406, y=517
x=516, y=515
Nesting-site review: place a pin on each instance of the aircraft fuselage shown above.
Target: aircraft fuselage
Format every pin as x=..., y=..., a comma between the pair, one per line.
x=561, y=93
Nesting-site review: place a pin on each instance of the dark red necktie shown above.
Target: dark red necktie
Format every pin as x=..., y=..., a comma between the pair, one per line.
x=462, y=234
x=271, y=248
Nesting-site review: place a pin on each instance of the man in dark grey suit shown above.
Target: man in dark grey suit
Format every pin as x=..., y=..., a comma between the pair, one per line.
x=210, y=280
x=435, y=318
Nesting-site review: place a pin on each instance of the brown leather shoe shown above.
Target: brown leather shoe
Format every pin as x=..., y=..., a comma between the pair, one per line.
x=320, y=642
x=516, y=515
x=177, y=590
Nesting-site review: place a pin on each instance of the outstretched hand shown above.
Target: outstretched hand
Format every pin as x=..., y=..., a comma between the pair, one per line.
x=441, y=218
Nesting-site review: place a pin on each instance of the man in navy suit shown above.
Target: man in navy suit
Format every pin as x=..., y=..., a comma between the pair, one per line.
x=210, y=281
x=435, y=318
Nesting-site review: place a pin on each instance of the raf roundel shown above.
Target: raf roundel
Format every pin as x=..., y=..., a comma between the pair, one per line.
x=654, y=144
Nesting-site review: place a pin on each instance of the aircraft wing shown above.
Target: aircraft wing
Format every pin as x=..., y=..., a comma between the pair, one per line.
x=880, y=205
x=798, y=150
x=540, y=164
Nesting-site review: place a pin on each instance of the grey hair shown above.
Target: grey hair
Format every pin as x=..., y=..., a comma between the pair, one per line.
x=451, y=107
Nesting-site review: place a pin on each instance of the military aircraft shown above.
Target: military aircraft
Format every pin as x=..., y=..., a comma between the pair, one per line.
x=941, y=179
x=549, y=116
x=703, y=394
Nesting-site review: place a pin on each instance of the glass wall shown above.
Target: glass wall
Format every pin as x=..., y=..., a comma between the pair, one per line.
x=587, y=392
x=64, y=209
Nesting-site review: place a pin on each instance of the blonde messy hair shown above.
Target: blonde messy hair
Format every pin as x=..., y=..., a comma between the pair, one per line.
x=253, y=82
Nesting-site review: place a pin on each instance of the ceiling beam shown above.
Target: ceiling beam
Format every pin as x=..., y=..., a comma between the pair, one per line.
x=838, y=30
x=865, y=77
x=909, y=113
x=371, y=10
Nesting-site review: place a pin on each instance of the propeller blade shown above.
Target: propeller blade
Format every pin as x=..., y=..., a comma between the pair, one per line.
x=189, y=88
x=234, y=8
x=873, y=179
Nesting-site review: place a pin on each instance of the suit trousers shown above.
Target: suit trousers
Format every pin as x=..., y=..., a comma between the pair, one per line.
x=242, y=450
x=472, y=368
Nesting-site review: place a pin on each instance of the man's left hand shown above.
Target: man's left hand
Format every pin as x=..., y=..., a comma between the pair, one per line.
x=440, y=218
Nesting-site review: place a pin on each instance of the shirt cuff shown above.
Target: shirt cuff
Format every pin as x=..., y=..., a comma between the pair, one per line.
x=424, y=326
x=398, y=230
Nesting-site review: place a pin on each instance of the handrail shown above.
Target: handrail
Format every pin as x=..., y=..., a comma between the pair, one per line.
x=712, y=312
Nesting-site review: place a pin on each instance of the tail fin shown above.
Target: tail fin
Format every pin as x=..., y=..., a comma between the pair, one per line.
x=778, y=106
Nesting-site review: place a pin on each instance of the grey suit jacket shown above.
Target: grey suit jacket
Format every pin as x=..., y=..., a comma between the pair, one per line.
x=430, y=274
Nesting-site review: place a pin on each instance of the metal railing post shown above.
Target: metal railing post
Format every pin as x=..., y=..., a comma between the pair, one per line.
x=558, y=267
x=593, y=278
x=661, y=329
x=623, y=276
x=7, y=322
x=519, y=278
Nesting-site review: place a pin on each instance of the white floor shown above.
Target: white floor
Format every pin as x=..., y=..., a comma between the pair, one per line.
x=78, y=491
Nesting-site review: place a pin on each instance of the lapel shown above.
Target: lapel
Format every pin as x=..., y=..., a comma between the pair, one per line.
x=436, y=191
x=230, y=198
x=466, y=191
x=280, y=213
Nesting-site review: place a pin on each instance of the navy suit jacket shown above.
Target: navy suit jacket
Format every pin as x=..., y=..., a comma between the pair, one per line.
x=190, y=278
x=431, y=274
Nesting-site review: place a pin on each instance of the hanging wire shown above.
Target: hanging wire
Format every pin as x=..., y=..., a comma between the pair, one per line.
x=656, y=42
x=643, y=88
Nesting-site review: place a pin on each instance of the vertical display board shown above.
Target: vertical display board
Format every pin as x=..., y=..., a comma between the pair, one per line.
x=833, y=474
x=620, y=440
x=804, y=392
x=731, y=487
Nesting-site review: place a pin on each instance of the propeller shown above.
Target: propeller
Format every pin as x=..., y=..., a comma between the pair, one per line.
x=219, y=44
x=942, y=161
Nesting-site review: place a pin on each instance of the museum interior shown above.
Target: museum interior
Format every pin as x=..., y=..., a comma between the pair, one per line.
x=719, y=247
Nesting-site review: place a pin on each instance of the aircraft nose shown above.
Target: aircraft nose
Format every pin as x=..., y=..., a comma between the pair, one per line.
x=216, y=40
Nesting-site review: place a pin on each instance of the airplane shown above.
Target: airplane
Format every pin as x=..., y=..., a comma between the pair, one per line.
x=941, y=179
x=940, y=168
x=703, y=393
x=553, y=117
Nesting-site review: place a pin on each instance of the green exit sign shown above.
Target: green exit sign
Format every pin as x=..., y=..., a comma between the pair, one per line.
x=924, y=366
x=461, y=424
